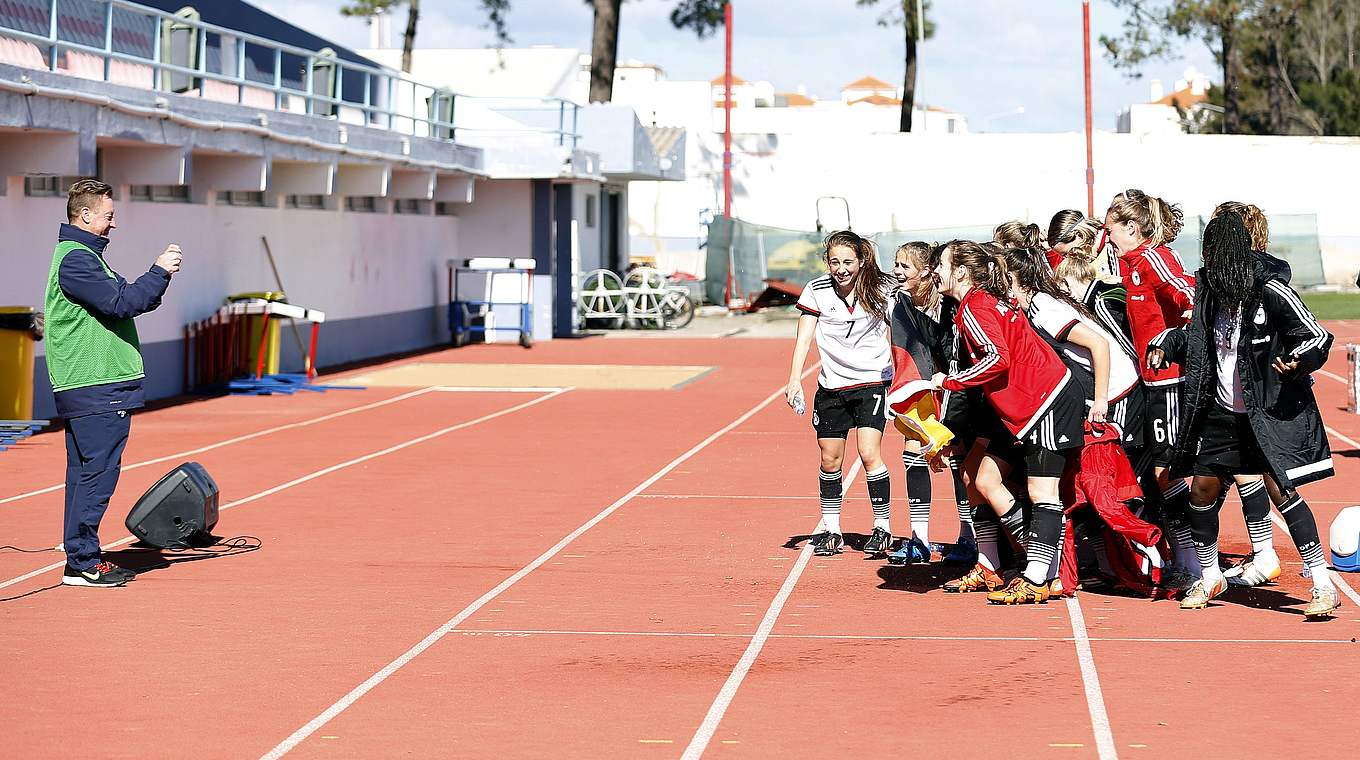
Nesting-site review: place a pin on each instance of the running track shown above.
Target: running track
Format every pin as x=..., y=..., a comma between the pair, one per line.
x=605, y=574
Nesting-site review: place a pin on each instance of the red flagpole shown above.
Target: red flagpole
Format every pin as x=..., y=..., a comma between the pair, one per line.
x=1086, y=56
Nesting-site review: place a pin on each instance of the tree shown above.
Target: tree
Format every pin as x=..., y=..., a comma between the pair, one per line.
x=1151, y=26
x=702, y=17
x=904, y=12
x=495, y=13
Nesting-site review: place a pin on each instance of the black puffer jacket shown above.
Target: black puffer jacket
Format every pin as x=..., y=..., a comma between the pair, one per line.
x=1282, y=411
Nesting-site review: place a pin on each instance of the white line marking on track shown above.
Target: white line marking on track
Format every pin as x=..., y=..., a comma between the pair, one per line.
x=1090, y=679
x=342, y=704
x=888, y=637
x=728, y=692
x=1332, y=375
x=317, y=474
x=237, y=439
x=480, y=389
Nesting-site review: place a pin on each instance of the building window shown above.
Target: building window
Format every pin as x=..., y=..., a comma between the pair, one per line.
x=590, y=211
x=47, y=186
x=160, y=193
x=306, y=201
x=366, y=204
x=253, y=198
x=410, y=206
x=445, y=208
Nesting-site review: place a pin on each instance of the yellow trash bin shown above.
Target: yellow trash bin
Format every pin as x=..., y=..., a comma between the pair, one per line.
x=20, y=328
x=252, y=332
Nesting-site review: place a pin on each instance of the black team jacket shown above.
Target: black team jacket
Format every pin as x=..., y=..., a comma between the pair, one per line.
x=1281, y=409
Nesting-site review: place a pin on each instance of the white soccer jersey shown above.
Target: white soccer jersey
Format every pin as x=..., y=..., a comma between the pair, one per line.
x=1058, y=318
x=853, y=343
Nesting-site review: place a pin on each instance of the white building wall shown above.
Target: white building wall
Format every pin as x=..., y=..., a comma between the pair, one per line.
x=499, y=220
x=927, y=181
x=347, y=264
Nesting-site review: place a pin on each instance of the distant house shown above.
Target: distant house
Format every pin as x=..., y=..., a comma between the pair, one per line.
x=1181, y=110
x=871, y=90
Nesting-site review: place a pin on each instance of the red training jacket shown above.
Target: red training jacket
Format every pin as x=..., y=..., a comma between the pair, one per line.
x=1054, y=259
x=1159, y=294
x=1017, y=370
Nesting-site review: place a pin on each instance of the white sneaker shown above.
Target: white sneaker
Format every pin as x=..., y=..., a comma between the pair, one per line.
x=1257, y=571
x=1324, y=602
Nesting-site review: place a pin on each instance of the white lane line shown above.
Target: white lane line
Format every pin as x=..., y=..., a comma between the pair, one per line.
x=495, y=389
x=522, y=633
x=342, y=704
x=1090, y=679
x=237, y=439
x=315, y=475
x=1332, y=375
x=728, y=692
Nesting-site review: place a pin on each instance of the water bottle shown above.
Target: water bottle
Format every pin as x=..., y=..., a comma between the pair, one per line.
x=798, y=405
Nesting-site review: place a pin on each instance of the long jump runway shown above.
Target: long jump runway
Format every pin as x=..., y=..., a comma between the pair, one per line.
x=596, y=572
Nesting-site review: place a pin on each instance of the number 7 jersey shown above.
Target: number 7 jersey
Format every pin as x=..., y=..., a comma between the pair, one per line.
x=852, y=341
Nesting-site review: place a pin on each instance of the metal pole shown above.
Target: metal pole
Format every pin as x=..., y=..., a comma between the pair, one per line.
x=1086, y=58
x=730, y=290
x=727, y=115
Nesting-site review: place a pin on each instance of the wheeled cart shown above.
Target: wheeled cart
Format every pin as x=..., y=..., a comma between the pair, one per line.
x=490, y=282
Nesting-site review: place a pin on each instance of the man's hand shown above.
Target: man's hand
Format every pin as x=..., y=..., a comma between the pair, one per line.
x=169, y=261
x=937, y=381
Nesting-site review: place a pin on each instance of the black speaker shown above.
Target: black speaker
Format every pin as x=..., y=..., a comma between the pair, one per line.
x=178, y=511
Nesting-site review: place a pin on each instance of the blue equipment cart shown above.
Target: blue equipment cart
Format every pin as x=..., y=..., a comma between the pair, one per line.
x=477, y=286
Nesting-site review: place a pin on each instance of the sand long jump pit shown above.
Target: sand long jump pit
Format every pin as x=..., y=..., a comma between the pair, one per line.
x=583, y=376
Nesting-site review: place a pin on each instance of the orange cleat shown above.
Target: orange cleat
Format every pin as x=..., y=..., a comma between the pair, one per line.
x=977, y=579
x=1020, y=591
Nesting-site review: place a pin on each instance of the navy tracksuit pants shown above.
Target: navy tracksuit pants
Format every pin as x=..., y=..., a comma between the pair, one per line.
x=94, y=459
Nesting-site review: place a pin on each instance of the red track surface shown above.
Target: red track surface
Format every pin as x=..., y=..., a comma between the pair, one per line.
x=620, y=642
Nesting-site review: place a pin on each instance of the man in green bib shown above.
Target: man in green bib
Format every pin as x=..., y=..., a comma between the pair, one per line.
x=95, y=364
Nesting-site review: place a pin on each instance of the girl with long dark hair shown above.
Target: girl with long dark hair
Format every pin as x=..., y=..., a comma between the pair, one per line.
x=1248, y=351
x=1031, y=392
x=846, y=312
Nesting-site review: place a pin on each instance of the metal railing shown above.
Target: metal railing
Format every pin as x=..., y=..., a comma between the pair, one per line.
x=126, y=43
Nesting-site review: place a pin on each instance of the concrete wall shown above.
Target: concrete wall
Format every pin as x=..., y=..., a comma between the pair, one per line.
x=927, y=181
x=380, y=277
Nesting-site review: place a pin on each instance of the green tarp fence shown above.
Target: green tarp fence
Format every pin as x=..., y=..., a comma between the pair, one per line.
x=758, y=252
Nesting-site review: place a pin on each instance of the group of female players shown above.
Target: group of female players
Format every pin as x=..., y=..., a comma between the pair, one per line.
x=1035, y=355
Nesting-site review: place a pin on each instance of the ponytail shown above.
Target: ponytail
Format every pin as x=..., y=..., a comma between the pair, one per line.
x=1017, y=234
x=985, y=268
x=1158, y=222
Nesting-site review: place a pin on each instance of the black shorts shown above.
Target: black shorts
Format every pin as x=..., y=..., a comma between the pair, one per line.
x=1162, y=422
x=1128, y=413
x=1227, y=445
x=834, y=413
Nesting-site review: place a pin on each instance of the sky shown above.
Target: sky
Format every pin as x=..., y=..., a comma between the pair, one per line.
x=988, y=58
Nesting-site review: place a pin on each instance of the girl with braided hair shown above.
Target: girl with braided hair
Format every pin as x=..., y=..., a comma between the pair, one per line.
x=1249, y=351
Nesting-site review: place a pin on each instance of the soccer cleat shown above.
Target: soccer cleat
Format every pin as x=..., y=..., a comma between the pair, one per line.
x=827, y=544
x=977, y=579
x=1056, y=590
x=878, y=543
x=1324, y=602
x=1200, y=593
x=1177, y=578
x=1257, y=571
x=1020, y=591
x=102, y=575
x=963, y=553
x=911, y=551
